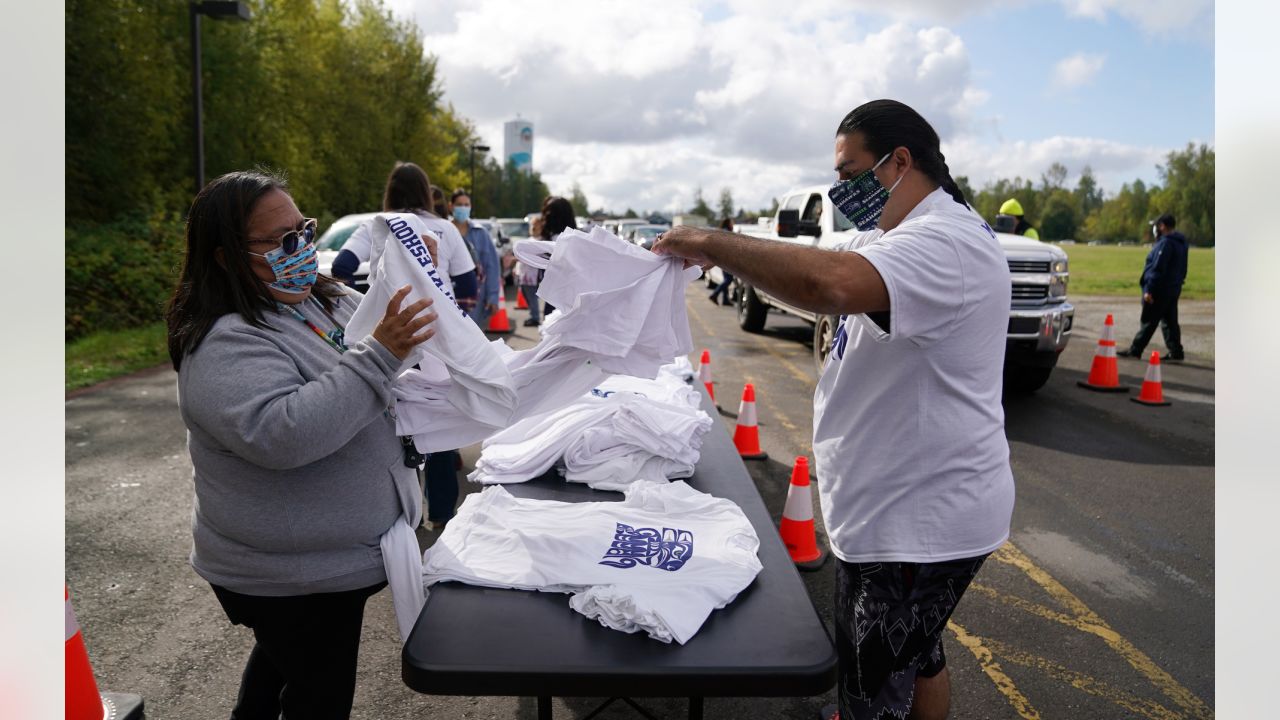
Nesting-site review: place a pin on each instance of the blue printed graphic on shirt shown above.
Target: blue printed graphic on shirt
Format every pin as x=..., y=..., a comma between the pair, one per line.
x=669, y=549
x=840, y=339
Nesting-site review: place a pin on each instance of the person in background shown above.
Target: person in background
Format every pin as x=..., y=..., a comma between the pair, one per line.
x=488, y=273
x=557, y=216
x=1011, y=220
x=409, y=191
x=438, y=205
x=908, y=432
x=296, y=465
x=528, y=278
x=722, y=290
x=1162, y=276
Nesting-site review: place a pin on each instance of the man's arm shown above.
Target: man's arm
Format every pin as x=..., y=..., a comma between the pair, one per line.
x=822, y=281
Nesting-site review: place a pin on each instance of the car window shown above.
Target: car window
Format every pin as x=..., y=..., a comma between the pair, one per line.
x=840, y=221
x=515, y=229
x=812, y=210
x=793, y=202
x=336, y=236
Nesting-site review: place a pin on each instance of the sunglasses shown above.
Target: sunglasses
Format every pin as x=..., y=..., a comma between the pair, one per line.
x=290, y=241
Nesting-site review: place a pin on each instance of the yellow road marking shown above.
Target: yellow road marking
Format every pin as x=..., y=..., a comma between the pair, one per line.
x=1035, y=608
x=1084, y=683
x=1091, y=623
x=799, y=374
x=1004, y=684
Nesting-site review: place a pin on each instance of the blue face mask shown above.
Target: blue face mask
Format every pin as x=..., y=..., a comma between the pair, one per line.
x=462, y=213
x=862, y=198
x=295, y=271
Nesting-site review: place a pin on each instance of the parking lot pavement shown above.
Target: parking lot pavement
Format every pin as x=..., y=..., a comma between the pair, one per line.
x=1100, y=606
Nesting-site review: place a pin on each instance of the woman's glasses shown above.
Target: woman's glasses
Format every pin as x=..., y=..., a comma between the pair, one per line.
x=290, y=241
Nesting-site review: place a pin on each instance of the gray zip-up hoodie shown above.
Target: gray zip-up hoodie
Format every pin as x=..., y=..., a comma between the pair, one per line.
x=298, y=470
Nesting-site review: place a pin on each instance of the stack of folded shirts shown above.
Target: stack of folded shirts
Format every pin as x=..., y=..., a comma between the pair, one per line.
x=625, y=430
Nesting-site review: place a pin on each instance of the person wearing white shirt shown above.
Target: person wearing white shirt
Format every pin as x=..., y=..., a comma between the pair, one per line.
x=912, y=460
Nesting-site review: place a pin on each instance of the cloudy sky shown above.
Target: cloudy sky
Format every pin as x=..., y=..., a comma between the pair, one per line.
x=642, y=102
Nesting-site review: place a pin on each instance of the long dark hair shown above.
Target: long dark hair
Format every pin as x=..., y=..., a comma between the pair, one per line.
x=408, y=189
x=889, y=124
x=557, y=216
x=208, y=289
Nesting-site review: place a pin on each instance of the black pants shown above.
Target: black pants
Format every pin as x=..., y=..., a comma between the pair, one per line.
x=1163, y=312
x=442, y=485
x=304, y=661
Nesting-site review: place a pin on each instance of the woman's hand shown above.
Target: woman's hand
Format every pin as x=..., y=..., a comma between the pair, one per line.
x=398, y=329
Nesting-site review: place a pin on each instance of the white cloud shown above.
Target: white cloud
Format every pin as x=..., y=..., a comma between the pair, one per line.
x=641, y=103
x=1077, y=70
x=1155, y=17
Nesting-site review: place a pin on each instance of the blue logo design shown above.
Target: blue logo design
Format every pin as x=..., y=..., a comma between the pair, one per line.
x=840, y=339
x=666, y=550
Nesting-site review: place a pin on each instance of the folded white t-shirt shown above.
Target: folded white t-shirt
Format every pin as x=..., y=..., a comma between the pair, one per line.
x=659, y=562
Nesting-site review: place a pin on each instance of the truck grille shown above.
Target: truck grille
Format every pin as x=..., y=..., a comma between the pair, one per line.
x=1030, y=292
x=1028, y=266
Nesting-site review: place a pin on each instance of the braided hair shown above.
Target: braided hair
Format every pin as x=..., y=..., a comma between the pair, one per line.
x=889, y=124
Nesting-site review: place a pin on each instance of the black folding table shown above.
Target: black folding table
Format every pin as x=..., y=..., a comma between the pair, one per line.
x=769, y=642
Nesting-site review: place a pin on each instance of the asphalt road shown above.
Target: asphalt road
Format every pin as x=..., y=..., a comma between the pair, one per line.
x=1101, y=605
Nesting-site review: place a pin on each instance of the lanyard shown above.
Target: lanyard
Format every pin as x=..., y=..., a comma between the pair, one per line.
x=335, y=337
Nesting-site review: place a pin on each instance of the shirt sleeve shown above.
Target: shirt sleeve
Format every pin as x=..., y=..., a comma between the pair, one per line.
x=360, y=243
x=924, y=275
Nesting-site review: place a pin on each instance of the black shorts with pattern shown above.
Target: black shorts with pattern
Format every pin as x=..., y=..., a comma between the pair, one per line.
x=889, y=621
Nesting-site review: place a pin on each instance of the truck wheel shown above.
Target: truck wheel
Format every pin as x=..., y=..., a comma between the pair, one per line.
x=1024, y=379
x=751, y=311
x=823, y=331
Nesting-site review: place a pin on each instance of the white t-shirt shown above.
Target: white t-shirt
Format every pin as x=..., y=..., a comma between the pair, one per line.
x=454, y=258
x=658, y=562
x=912, y=460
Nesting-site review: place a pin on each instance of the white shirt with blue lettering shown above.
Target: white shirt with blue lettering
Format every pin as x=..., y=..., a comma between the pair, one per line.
x=659, y=562
x=454, y=258
x=909, y=440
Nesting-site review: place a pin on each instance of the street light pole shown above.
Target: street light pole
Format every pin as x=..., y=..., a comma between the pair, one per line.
x=472, y=189
x=216, y=10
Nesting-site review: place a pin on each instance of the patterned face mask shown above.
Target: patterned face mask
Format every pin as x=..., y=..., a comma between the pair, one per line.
x=295, y=271
x=861, y=198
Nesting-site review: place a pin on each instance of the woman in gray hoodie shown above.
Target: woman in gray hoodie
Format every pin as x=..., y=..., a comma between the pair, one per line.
x=297, y=468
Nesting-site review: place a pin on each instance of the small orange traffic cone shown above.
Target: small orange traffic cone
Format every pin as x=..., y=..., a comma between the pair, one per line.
x=746, y=436
x=499, y=323
x=704, y=374
x=521, y=303
x=797, y=520
x=1104, y=374
x=1152, y=392
x=84, y=702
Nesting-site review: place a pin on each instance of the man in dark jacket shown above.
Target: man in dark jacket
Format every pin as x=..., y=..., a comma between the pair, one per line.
x=1162, y=279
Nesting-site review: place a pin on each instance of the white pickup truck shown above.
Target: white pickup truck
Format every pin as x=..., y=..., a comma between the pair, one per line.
x=1040, y=317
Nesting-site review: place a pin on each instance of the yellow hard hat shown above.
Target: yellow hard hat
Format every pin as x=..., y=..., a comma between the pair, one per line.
x=1011, y=207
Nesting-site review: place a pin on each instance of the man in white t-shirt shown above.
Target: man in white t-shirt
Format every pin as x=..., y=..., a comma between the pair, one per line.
x=912, y=460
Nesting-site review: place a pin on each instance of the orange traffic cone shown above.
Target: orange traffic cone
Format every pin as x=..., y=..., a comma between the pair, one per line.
x=84, y=702
x=746, y=436
x=1104, y=374
x=797, y=520
x=499, y=323
x=1152, y=386
x=521, y=303
x=704, y=374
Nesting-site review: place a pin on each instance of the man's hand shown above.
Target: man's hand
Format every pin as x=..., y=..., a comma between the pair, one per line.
x=686, y=243
x=1146, y=298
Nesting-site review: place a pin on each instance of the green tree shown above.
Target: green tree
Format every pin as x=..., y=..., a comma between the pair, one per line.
x=578, y=200
x=1088, y=195
x=1054, y=178
x=726, y=204
x=1060, y=218
x=1188, y=192
x=700, y=206
x=630, y=214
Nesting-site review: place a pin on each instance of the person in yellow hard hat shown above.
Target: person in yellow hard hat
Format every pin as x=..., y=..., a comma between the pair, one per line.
x=1010, y=220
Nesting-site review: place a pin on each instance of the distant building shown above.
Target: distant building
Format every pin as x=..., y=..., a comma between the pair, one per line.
x=518, y=137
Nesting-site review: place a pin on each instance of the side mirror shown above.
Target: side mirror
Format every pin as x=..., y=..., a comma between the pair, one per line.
x=809, y=227
x=788, y=223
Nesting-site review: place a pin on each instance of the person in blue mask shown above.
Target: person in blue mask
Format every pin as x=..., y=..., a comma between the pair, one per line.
x=297, y=469
x=485, y=254
x=908, y=435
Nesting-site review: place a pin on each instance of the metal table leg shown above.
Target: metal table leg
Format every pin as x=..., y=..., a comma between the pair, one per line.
x=544, y=707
